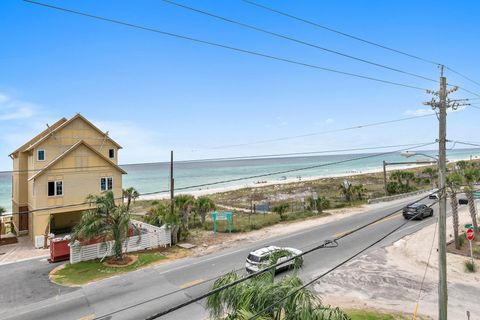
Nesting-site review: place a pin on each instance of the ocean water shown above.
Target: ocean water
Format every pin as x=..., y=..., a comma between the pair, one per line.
x=152, y=178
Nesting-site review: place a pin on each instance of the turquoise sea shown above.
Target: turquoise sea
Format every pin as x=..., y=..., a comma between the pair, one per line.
x=150, y=178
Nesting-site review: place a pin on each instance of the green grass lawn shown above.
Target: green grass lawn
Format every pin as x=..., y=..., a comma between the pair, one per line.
x=87, y=271
x=376, y=315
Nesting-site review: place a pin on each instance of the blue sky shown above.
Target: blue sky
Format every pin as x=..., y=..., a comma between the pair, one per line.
x=154, y=93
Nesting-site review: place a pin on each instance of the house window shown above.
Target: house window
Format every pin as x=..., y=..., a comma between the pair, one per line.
x=40, y=155
x=106, y=183
x=55, y=188
x=111, y=153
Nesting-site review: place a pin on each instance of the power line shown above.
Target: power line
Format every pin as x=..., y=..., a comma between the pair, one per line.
x=339, y=32
x=336, y=267
x=325, y=244
x=322, y=132
x=302, y=169
x=466, y=143
x=463, y=76
x=247, y=157
x=466, y=90
x=107, y=315
x=177, y=291
x=297, y=41
x=218, y=45
x=282, y=13
x=269, y=156
x=243, y=178
x=426, y=267
x=246, y=144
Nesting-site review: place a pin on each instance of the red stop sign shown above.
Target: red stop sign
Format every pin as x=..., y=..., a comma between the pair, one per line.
x=470, y=234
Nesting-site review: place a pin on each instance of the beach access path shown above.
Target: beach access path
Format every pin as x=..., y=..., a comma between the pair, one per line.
x=139, y=294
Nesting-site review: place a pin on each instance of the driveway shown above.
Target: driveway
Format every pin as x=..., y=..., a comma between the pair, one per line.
x=27, y=282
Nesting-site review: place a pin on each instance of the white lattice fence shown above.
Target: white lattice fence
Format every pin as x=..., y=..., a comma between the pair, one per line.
x=153, y=238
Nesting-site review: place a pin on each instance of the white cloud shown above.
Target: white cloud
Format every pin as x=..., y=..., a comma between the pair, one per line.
x=139, y=143
x=329, y=120
x=3, y=98
x=419, y=112
x=426, y=111
x=12, y=109
x=324, y=123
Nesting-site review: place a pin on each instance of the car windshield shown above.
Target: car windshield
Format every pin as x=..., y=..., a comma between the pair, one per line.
x=253, y=258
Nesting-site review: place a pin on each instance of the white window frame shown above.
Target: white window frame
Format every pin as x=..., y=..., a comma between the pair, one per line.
x=114, y=153
x=55, y=182
x=44, y=154
x=106, y=183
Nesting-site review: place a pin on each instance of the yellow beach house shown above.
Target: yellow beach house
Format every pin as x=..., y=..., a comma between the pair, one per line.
x=54, y=172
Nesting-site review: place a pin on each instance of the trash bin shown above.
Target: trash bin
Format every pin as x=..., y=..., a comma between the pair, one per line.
x=59, y=250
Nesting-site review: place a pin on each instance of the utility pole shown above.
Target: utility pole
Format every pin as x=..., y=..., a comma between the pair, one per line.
x=172, y=185
x=442, y=217
x=440, y=105
x=385, y=177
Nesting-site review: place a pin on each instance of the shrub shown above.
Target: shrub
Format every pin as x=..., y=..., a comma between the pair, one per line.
x=476, y=251
x=462, y=239
x=470, y=266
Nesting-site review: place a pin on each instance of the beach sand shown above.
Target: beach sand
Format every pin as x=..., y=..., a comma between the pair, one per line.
x=208, y=191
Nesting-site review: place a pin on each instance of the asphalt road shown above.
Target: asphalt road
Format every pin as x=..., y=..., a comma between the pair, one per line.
x=145, y=292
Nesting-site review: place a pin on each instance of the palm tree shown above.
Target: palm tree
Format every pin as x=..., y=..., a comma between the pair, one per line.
x=471, y=177
x=359, y=190
x=454, y=181
x=172, y=221
x=432, y=174
x=397, y=176
x=105, y=221
x=280, y=209
x=184, y=203
x=320, y=203
x=2, y=210
x=346, y=189
x=246, y=299
x=203, y=206
x=156, y=215
x=403, y=178
x=462, y=164
x=131, y=194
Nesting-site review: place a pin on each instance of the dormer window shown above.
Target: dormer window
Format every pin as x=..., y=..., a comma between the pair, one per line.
x=111, y=153
x=40, y=155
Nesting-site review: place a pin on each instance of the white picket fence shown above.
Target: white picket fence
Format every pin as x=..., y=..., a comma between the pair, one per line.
x=153, y=238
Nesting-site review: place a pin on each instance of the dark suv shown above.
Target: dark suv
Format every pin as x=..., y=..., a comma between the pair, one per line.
x=417, y=210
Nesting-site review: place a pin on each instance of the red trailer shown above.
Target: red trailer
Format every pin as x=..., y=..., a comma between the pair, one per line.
x=59, y=250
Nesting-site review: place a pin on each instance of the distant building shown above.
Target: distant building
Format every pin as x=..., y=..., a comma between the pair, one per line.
x=54, y=172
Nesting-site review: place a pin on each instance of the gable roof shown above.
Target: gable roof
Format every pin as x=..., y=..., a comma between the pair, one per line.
x=71, y=149
x=63, y=125
x=40, y=135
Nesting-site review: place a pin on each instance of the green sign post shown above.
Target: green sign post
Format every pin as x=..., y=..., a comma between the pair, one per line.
x=222, y=216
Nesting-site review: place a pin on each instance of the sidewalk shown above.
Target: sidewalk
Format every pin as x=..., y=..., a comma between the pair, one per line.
x=23, y=250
